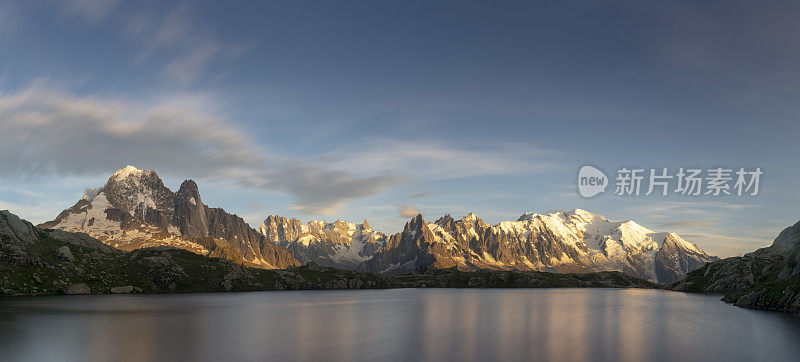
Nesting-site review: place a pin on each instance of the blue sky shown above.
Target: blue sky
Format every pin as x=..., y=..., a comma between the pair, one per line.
x=373, y=109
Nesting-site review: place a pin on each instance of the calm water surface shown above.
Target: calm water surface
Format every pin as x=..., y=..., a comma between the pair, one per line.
x=400, y=324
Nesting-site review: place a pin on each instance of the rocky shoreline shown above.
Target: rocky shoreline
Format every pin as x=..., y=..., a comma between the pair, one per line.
x=768, y=278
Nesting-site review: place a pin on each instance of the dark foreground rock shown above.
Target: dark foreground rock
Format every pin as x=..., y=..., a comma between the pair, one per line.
x=767, y=278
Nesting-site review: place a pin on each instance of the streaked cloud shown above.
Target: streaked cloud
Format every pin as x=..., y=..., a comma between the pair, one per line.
x=175, y=31
x=727, y=245
x=677, y=212
x=701, y=221
x=438, y=160
x=323, y=190
x=169, y=34
x=48, y=132
x=420, y=195
x=94, y=11
x=688, y=224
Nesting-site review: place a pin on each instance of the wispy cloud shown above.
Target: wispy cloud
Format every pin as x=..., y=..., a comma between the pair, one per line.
x=699, y=221
x=688, y=224
x=323, y=190
x=429, y=160
x=50, y=132
x=169, y=34
x=420, y=195
x=686, y=211
x=94, y=11
x=175, y=31
x=727, y=245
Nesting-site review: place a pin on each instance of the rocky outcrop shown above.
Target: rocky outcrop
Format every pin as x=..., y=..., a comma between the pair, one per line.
x=280, y=230
x=190, y=214
x=65, y=254
x=80, y=239
x=768, y=278
x=15, y=230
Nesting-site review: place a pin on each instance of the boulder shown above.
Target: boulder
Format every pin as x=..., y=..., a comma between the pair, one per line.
x=155, y=262
x=127, y=289
x=65, y=254
x=77, y=289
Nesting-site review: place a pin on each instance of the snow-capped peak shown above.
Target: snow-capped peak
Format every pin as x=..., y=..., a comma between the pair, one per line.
x=686, y=245
x=127, y=171
x=561, y=213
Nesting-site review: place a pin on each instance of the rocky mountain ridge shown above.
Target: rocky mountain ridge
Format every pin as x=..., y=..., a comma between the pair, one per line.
x=338, y=244
x=135, y=210
x=558, y=241
x=768, y=278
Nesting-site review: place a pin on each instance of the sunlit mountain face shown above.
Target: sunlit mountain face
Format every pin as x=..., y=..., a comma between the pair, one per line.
x=134, y=210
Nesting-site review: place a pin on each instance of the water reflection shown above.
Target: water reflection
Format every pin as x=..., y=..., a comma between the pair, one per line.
x=408, y=324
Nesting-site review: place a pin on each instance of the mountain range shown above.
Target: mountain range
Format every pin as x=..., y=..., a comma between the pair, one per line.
x=35, y=261
x=134, y=210
x=558, y=241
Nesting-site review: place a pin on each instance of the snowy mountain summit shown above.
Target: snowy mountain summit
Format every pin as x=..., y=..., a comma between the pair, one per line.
x=135, y=210
x=559, y=241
